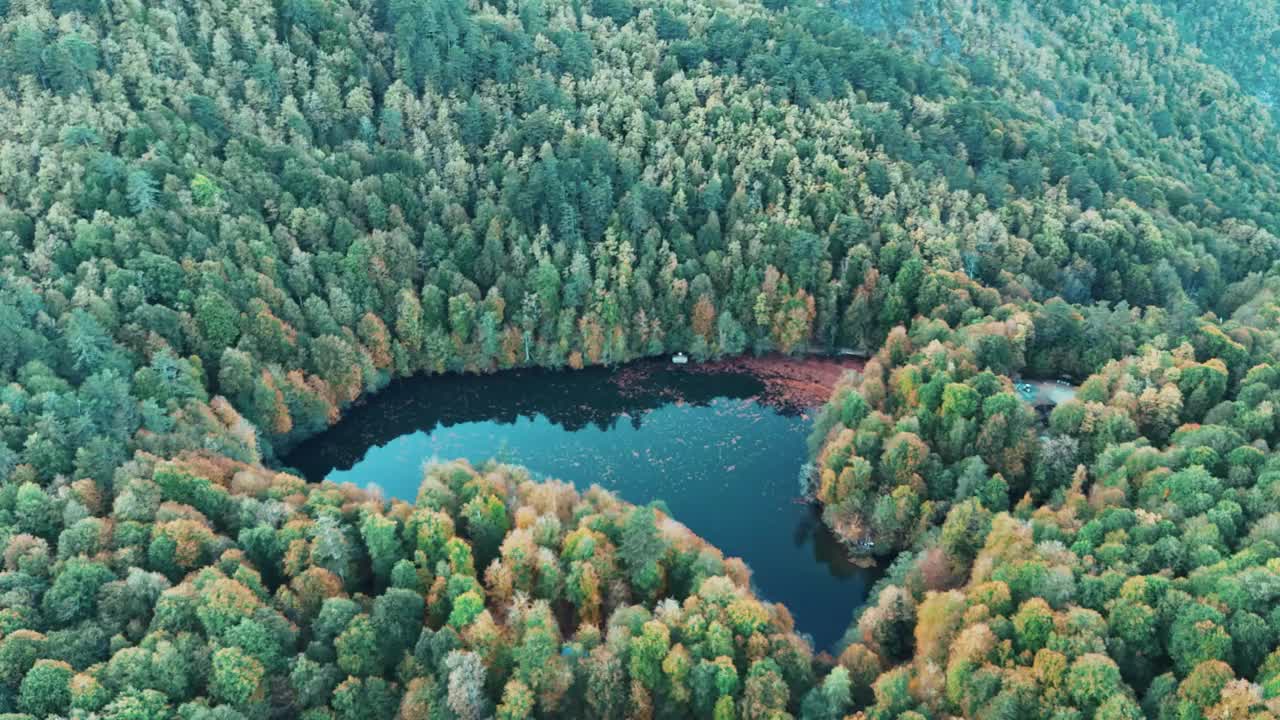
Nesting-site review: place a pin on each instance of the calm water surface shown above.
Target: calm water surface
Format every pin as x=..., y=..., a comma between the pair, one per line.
x=723, y=461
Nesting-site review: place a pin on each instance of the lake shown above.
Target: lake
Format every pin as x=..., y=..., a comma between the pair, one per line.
x=713, y=446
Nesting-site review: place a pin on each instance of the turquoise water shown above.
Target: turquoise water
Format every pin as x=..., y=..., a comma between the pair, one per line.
x=723, y=460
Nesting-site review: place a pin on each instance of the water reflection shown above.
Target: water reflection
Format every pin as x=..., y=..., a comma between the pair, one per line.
x=599, y=397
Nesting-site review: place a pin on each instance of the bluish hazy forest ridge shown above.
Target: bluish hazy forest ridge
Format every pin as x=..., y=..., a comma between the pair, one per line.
x=223, y=222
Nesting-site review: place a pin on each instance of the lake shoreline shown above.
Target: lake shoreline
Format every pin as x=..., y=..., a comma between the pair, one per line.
x=719, y=444
x=793, y=383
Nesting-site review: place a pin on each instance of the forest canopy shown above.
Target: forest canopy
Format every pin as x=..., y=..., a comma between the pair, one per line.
x=224, y=221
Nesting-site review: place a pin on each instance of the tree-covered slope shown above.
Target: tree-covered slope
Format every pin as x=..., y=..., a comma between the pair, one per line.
x=1119, y=560
x=1133, y=99
x=310, y=198
x=222, y=590
x=222, y=222
x=1243, y=38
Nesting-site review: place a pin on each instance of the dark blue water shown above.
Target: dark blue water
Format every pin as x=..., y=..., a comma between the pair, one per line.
x=724, y=461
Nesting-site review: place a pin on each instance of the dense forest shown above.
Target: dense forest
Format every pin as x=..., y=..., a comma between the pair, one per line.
x=224, y=221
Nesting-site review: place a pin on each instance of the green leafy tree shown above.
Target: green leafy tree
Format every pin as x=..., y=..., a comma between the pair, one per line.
x=235, y=677
x=359, y=652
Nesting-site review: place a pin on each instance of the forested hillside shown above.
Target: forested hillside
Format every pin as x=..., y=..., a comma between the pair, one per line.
x=1240, y=37
x=286, y=206
x=1120, y=561
x=222, y=222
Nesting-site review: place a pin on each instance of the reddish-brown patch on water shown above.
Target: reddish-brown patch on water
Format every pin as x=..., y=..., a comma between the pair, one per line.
x=794, y=382
x=634, y=379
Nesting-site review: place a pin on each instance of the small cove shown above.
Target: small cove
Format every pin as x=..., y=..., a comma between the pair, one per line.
x=710, y=445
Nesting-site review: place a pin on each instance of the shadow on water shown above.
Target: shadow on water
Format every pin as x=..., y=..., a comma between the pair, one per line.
x=811, y=532
x=723, y=461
